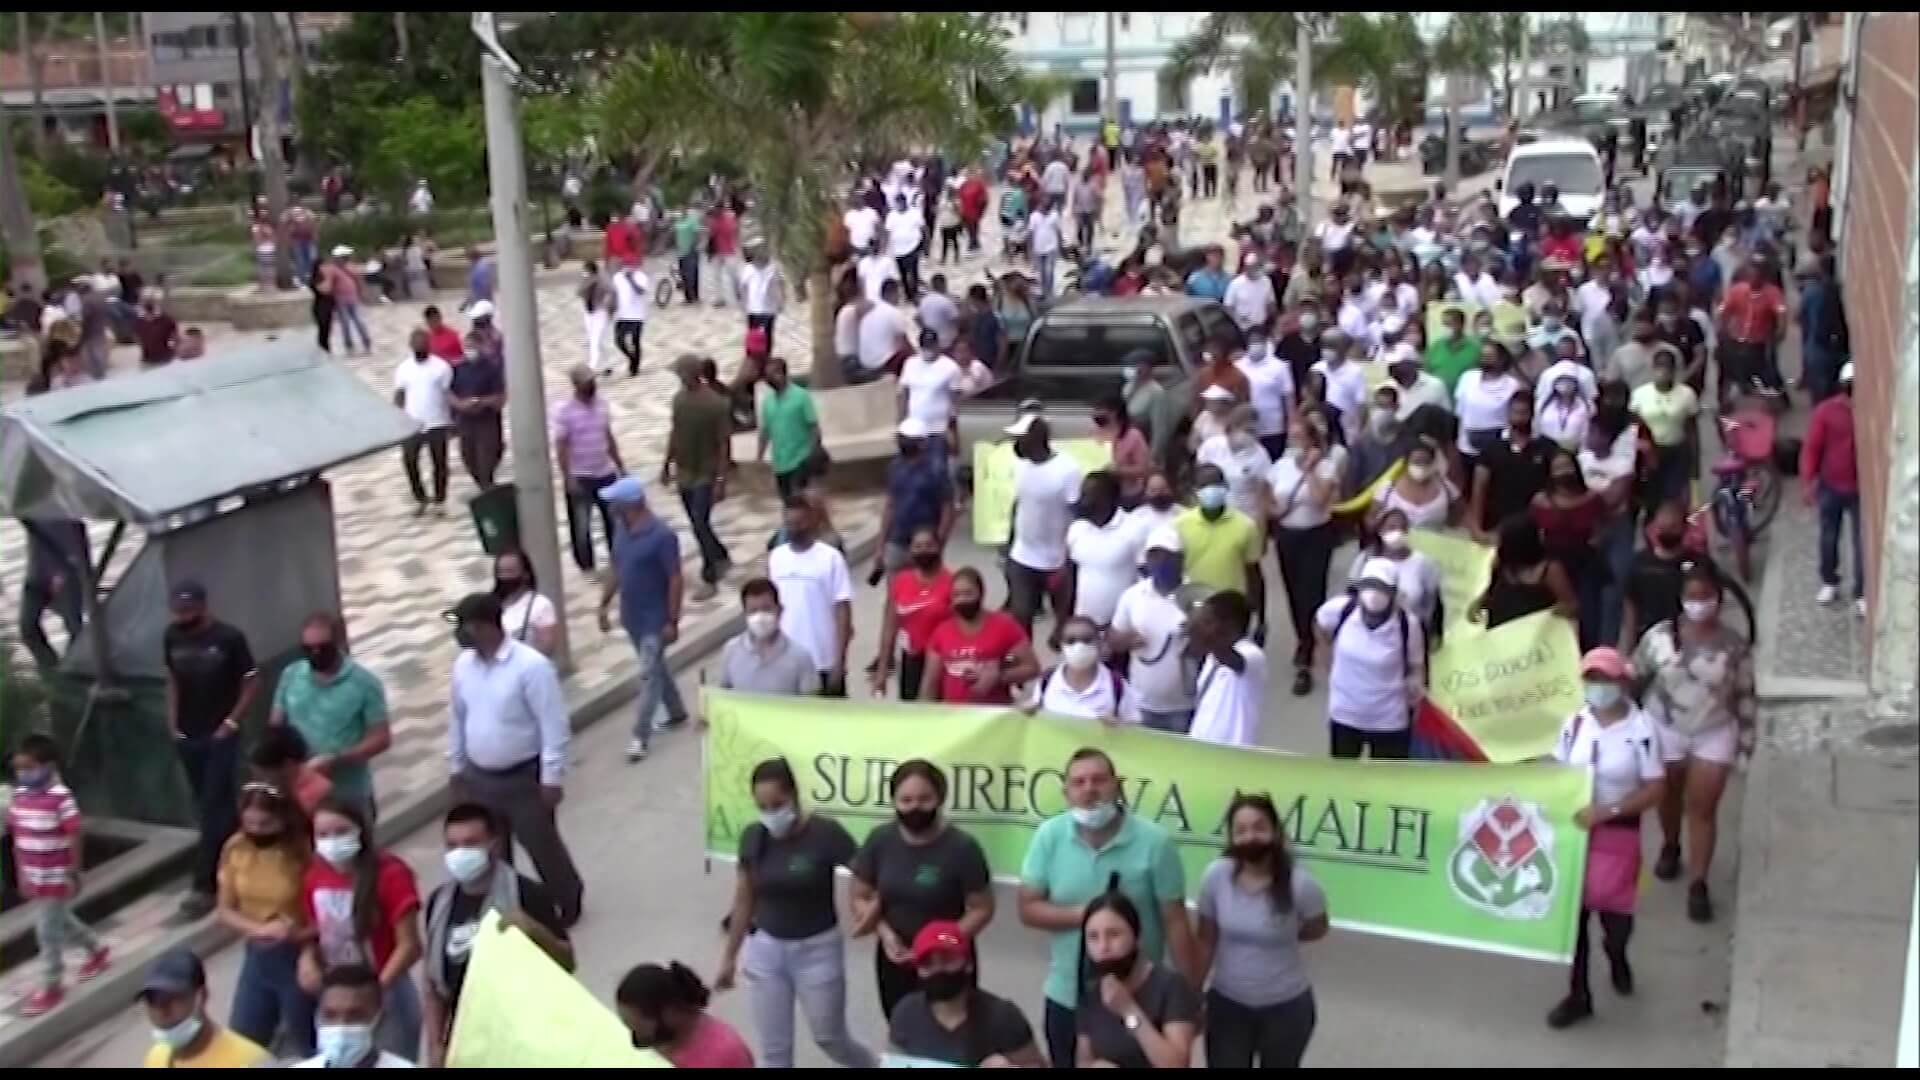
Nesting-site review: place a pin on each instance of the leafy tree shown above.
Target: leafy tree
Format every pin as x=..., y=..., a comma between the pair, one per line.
x=1510, y=27
x=1256, y=46
x=421, y=138
x=1383, y=55
x=359, y=77
x=797, y=96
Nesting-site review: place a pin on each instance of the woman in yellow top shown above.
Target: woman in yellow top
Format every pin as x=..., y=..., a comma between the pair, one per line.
x=1667, y=408
x=261, y=870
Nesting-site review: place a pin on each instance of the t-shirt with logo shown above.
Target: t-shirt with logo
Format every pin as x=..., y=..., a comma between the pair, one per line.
x=921, y=605
x=1623, y=755
x=208, y=665
x=329, y=899
x=463, y=924
x=962, y=654
x=792, y=876
x=919, y=883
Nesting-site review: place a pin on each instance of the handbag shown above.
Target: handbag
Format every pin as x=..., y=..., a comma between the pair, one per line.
x=1613, y=868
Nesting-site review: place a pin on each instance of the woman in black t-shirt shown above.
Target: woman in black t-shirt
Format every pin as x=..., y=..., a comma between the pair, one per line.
x=1512, y=469
x=784, y=916
x=913, y=871
x=1133, y=1013
x=1524, y=580
x=950, y=1019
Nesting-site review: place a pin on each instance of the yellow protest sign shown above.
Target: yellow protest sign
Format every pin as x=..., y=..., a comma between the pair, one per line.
x=1362, y=502
x=519, y=1010
x=1509, y=688
x=1465, y=567
x=993, y=467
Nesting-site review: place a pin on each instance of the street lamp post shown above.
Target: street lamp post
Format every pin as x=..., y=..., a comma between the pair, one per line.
x=1303, y=118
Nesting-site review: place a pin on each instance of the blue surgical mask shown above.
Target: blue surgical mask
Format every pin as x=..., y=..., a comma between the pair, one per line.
x=1212, y=497
x=37, y=778
x=1602, y=695
x=1097, y=816
x=338, y=851
x=342, y=1046
x=1165, y=573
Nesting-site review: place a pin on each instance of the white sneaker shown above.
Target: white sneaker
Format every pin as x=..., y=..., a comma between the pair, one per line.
x=1860, y=608
x=1828, y=594
x=636, y=751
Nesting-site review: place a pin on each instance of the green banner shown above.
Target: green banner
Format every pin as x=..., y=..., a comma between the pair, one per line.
x=1510, y=687
x=1482, y=857
x=993, y=466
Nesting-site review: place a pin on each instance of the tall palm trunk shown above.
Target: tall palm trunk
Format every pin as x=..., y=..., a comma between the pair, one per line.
x=266, y=38
x=1452, y=176
x=826, y=366
x=16, y=223
x=36, y=76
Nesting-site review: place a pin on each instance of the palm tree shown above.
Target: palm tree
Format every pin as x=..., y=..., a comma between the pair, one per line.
x=266, y=39
x=1511, y=29
x=1256, y=46
x=1464, y=50
x=796, y=97
x=16, y=221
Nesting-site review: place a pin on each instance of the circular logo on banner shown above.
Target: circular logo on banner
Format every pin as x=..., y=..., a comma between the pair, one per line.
x=1503, y=863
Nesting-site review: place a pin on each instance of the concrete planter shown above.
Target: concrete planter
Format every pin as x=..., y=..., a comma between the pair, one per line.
x=589, y=244
x=253, y=309
x=18, y=359
x=197, y=304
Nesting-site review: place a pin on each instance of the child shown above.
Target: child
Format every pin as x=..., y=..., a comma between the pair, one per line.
x=45, y=822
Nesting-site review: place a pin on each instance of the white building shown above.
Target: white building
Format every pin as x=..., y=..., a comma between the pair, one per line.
x=1072, y=45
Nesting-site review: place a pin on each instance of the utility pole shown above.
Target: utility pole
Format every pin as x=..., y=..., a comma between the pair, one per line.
x=1303, y=118
x=1801, y=30
x=106, y=80
x=1113, y=74
x=400, y=35
x=266, y=44
x=35, y=76
x=1518, y=110
x=246, y=101
x=519, y=319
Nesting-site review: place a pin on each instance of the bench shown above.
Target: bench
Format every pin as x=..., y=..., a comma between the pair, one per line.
x=856, y=425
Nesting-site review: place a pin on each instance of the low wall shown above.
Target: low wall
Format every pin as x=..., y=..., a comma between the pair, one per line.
x=251, y=309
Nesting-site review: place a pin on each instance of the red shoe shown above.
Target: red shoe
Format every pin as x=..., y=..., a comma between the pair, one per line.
x=98, y=961
x=42, y=1001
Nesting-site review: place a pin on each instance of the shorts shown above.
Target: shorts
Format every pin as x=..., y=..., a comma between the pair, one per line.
x=1718, y=745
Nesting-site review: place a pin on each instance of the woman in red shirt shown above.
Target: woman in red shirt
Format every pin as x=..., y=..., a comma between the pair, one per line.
x=977, y=656
x=1569, y=515
x=365, y=909
x=919, y=599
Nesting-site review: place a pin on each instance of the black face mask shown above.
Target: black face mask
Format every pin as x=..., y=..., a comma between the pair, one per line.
x=264, y=840
x=929, y=560
x=1119, y=967
x=917, y=820
x=419, y=354
x=946, y=985
x=1671, y=538
x=1160, y=502
x=968, y=611
x=504, y=587
x=323, y=658
x=463, y=637
x=1252, y=852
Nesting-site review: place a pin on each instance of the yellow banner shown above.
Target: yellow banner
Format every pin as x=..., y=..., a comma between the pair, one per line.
x=519, y=1010
x=993, y=467
x=1465, y=567
x=1509, y=688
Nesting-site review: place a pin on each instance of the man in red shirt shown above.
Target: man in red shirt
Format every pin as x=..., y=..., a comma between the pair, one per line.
x=973, y=206
x=443, y=341
x=1753, y=316
x=622, y=240
x=1830, y=478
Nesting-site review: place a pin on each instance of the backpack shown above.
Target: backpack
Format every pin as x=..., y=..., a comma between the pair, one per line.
x=1400, y=615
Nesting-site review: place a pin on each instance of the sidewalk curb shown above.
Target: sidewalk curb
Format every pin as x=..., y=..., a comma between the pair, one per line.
x=24, y=1042
x=1772, y=688
x=1744, y=968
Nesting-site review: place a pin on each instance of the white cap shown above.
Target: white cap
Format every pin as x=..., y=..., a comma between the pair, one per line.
x=1380, y=571
x=1216, y=392
x=1403, y=351
x=1846, y=371
x=1164, y=538
x=481, y=309
x=1022, y=423
x=341, y=251
x=1392, y=324
x=911, y=428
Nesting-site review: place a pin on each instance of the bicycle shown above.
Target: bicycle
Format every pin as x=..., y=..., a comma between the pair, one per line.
x=670, y=283
x=1746, y=490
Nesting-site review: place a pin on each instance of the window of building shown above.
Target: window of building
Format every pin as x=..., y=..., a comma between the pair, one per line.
x=1086, y=96
x=1173, y=96
x=1076, y=28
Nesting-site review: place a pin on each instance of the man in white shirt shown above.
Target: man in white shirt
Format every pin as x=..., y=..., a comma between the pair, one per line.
x=1340, y=143
x=846, y=336
x=883, y=334
x=421, y=387
x=1043, y=240
x=1346, y=383
x=1362, y=143
x=816, y=596
x=1379, y=658
x=421, y=201
x=507, y=742
x=763, y=290
x=1474, y=284
x=1250, y=298
x=632, y=298
x=1416, y=384
x=1270, y=392
x=929, y=381
x=906, y=234
x=1055, y=179
x=1046, y=485
x=1233, y=676
x=1150, y=626
x=862, y=222
x=939, y=313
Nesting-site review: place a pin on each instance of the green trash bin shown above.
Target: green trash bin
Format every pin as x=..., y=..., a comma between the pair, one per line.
x=496, y=517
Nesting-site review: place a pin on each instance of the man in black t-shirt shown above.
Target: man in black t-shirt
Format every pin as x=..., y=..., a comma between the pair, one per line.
x=1511, y=471
x=480, y=881
x=1676, y=328
x=211, y=683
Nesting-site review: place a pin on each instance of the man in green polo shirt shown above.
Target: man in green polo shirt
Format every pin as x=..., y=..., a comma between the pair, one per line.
x=1073, y=858
x=338, y=707
x=789, y=428
x=1223, y=545
x=1453, y=352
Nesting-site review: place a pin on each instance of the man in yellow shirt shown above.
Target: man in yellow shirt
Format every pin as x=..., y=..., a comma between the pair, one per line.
x=175, y=994
x=1223, y=545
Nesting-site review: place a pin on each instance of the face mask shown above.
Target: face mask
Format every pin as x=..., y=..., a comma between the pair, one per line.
x=778, y=822
x=918, y=820
x=762, y=624
x=1165, y=574
x=1551, y=322
x=1422, y=473
x=466, y=864
x=926, y=560
x=1602, y=695
x=1130, y=373
x=1119, y=967
x=1212, y=497
x=1256, y=851
x=1394, y=539
x=323, y=658
x=1375, y=601
x=507, y=586
x=1080, y=655
x=968, y=610
x=343, y=1046
x=1565, y=388
x=1701, y=610
x=181, y=1035
x=463, y=637
x=946, y=985
x=1160, y=502
x=36, y=778
x=1309, y=323
x=1670, y=537
x=1097, y=816
x=338, y=851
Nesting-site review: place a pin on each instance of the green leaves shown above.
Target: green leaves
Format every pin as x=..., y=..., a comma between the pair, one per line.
x=420, y=137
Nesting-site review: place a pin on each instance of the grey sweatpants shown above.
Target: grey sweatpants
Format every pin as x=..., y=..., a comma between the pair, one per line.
x=57, y=928
x=814, y=970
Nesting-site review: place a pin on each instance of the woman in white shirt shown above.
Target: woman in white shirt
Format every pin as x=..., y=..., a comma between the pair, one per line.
x=1103, y=549
x=525, y=615
x=1563, y=415
x=1619, y=743
x=1303, y=484
x=1419, y=585
x=1242, y=461
x=1422, y=491
x=1081, y=686
x=1480, y=401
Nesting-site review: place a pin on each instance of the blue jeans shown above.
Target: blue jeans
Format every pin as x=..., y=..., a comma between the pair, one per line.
x=1833, y=506
x=1043, y=269
x=400, y=1020
x=268, y=998
x=1615, y=543
x=697, y=499
x=657, y=686
x=304, y=252
x=351, y=320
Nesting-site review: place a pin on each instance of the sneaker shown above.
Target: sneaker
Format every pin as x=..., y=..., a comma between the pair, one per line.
x=677, y=721
x=1572, y=1009
x=42, y=1001
x=1860, y=608
x=1622, y=975
x=1667, y=866
x=1828, y=594
x=97, y=963
x=1699, y=904
x=636, y=751
x=1302, y=683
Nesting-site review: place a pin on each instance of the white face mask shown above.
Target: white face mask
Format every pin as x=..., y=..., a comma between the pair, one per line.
x=1422, y=473
x=466, y=864
x=1602, y=695
x=762, y=624
x=1097, y=816
x=339, y=851
x=1080, y=655
x=1394, y=539
x=1700, y=610
x=343, y=1046
x=779, y=822
x=181, y=1035
x=1375, y=601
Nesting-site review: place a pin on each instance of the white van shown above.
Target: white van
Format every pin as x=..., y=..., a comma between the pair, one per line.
x=1572, y=165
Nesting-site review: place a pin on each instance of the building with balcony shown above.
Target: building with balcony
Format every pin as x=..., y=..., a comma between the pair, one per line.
x=73, y=96
x=1072, y=45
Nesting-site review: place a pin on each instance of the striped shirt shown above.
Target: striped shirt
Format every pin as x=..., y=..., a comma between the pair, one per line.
x=43, y=824
x=584, y=426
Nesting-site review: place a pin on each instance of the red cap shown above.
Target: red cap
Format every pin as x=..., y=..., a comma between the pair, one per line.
x=1605, y=662
x=757, y=340
x=941, y=936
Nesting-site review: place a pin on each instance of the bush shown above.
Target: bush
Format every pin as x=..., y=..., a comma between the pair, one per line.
x=377, y=232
